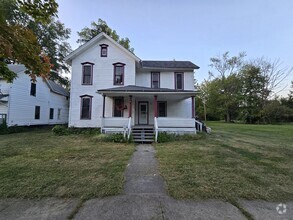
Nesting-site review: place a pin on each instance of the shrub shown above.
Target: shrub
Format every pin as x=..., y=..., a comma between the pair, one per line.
x=118, y=138
x=3, y=127
x=64, y=130
x=60, y=130
x=166, y=137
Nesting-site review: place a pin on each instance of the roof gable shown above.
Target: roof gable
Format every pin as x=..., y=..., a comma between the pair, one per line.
x=54, y=87
x=92, y=42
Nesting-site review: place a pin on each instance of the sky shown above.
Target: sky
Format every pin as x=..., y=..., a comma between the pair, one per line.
x=193, y=30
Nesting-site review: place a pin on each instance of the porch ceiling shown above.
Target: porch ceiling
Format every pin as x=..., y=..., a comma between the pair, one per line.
x=139, y=91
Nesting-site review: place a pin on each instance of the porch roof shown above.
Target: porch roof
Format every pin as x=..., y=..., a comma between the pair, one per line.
x=132, y=89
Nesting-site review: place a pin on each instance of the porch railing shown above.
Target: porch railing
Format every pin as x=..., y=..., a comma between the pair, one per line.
x=156, y=129
x=198, y=125
x=169, y=122
x=117, y=124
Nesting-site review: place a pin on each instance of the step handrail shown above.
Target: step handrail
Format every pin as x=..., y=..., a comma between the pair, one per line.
x=199, y=123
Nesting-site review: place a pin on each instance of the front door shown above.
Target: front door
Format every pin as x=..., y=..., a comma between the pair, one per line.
x=143, y=113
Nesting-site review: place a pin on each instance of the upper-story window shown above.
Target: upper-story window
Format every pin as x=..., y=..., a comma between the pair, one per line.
x=33, y=89
x=155, y=79
x=104, y=50
x=86, y=107
x=179, y=81
x=119, y=73
x=87, y=73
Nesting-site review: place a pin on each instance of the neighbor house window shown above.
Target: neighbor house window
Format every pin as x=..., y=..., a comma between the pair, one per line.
x=86, y=107
x=51, y=115
x=87, y=73
x=162, y=109
x=119, y=73
x=37, y=112
x=104, y=50
x=59, y=114
x=155, y=78
x=33, y=89
x=118, y=106
x=179, y=81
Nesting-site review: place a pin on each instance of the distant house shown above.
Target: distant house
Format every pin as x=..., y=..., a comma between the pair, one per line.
x=24, y=103
x=113, y=89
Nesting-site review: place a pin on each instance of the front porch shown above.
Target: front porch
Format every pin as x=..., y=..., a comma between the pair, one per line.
x=160, y=110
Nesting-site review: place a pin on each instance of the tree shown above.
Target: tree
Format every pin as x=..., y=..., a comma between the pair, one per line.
x=288, y=101
x=253, y=88
x=228, y=83
x=86, y=34
x=274, y=112
x=51, y=36
x=274, y=74
x=18, y=43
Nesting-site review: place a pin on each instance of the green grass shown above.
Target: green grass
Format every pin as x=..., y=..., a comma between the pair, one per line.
x=235, y=161
x=39, y=164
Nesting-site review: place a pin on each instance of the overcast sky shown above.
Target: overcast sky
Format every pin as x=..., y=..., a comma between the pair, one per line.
x=194, y=30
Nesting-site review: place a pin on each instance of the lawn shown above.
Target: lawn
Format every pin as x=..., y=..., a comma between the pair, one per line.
x=39, y=164
x=235, y=161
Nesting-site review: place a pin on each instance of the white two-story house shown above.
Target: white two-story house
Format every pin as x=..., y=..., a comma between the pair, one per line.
x=113, y=89
x=25, y=103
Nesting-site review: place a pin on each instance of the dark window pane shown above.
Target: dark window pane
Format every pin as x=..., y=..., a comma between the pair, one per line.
x=87, y=75
x=37, y=112
x=118, y=107
x=179, y=81
x=51, y=113
x=156, y=80
x=162, y=109
x=33, y=89
x=85, y=108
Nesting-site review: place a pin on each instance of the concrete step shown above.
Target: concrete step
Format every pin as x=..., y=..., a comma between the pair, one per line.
x=143, y=140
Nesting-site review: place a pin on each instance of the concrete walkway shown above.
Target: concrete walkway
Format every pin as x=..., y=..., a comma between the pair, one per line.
x=144, y=197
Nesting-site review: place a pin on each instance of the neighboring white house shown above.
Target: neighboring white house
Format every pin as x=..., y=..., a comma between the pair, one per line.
x=24, y=102
x=113, y=89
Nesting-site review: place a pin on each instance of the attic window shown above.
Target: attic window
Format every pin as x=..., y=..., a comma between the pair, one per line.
x=104, y=50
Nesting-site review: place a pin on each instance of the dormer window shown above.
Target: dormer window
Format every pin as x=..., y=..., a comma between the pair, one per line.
x=104, y=50
x=87, y=73
x=118, y=73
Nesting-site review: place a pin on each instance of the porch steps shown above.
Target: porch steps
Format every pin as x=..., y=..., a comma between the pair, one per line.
x=143, y=134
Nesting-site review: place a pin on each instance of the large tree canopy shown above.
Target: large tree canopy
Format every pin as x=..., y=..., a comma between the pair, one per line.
x=32, y=36
x=87, y=34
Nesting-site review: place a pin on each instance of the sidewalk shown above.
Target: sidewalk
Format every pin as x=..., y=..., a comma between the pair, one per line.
x=144, y=197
